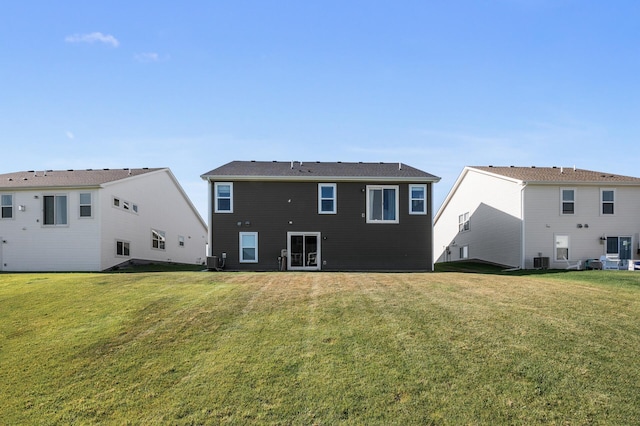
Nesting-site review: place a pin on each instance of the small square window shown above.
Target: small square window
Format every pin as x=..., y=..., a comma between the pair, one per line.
x=123, y=248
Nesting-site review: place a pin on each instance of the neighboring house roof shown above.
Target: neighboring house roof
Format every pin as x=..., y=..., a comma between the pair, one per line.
x=89, y=178
x=298, y=170
x=556, y=175
x=67, y=178
x=541, y=176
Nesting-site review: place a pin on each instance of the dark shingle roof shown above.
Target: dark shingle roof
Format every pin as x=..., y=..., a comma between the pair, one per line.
x=67, y=178
x=296, y=170
x=556, y=174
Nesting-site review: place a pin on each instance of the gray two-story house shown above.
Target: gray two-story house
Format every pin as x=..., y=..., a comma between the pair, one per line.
x=311, y=216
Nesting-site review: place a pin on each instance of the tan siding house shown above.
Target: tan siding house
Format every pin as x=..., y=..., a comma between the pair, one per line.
x=539, y=216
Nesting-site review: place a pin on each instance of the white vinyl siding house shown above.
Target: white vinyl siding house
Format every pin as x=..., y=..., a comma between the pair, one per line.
x=68, y=220
x=493, y=224
x=518, y=214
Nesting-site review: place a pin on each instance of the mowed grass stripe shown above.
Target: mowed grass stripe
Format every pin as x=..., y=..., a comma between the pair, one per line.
x=296, y=348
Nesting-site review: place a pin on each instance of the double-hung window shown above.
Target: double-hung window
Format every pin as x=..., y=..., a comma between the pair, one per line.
x=568, y=200
x=327, y=198
x=382, y=204
x=417, y=199
x=248, y=247
x=223, y=197
x=55, y=210
x=463, y=222
x=85, y=204
x=6, y=206
x=607, y=201
x=158, y=239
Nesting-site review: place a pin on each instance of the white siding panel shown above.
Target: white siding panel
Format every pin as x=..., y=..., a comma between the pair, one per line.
x=30, y=246
x=584, y=227
x=161, y=206
x=495, y=226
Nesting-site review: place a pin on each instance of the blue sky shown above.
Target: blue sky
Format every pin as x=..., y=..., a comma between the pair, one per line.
x=438, y=85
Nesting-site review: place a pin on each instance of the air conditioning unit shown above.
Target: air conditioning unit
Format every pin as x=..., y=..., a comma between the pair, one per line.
x=212, y=263
x=541, y=263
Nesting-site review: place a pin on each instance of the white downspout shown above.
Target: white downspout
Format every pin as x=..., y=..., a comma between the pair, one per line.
x=522, y=227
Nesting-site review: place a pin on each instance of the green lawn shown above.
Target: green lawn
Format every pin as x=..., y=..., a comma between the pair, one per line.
x=320, y=348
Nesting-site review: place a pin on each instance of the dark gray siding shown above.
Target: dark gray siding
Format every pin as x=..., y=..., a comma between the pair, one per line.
x=348, y=243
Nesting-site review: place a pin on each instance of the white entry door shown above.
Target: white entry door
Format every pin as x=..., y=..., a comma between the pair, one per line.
x=303, y=251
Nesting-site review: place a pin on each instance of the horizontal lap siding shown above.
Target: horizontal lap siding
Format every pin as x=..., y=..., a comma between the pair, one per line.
x=348, y=242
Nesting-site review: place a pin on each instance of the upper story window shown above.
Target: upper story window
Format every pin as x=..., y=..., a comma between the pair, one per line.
x=327, y=198
x=158, y=239
x=55, y=210
x=127, y=206
x=85, y=204
x=568, y=200
x=382, y=204
x=607, y=201
x=223, y=197
x=463, y=222
x=417, y=199
x=6, y=206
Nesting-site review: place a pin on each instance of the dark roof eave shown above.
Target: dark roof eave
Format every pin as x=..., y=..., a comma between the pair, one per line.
x=316, y=178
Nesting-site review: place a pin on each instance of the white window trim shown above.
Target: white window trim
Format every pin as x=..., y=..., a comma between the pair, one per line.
x=123, y=242
x=464, y=252
x=555, y=247
x=55, y=219
x=163, y=236
x=80, y=205
x=424, y=188
x=181, y=241
x=334, y=198
x=615, y=196
x=215, y=197
x=465, y=222
x=397, y=204
x=240, y=256
x=13, y=207
x=562, y=201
